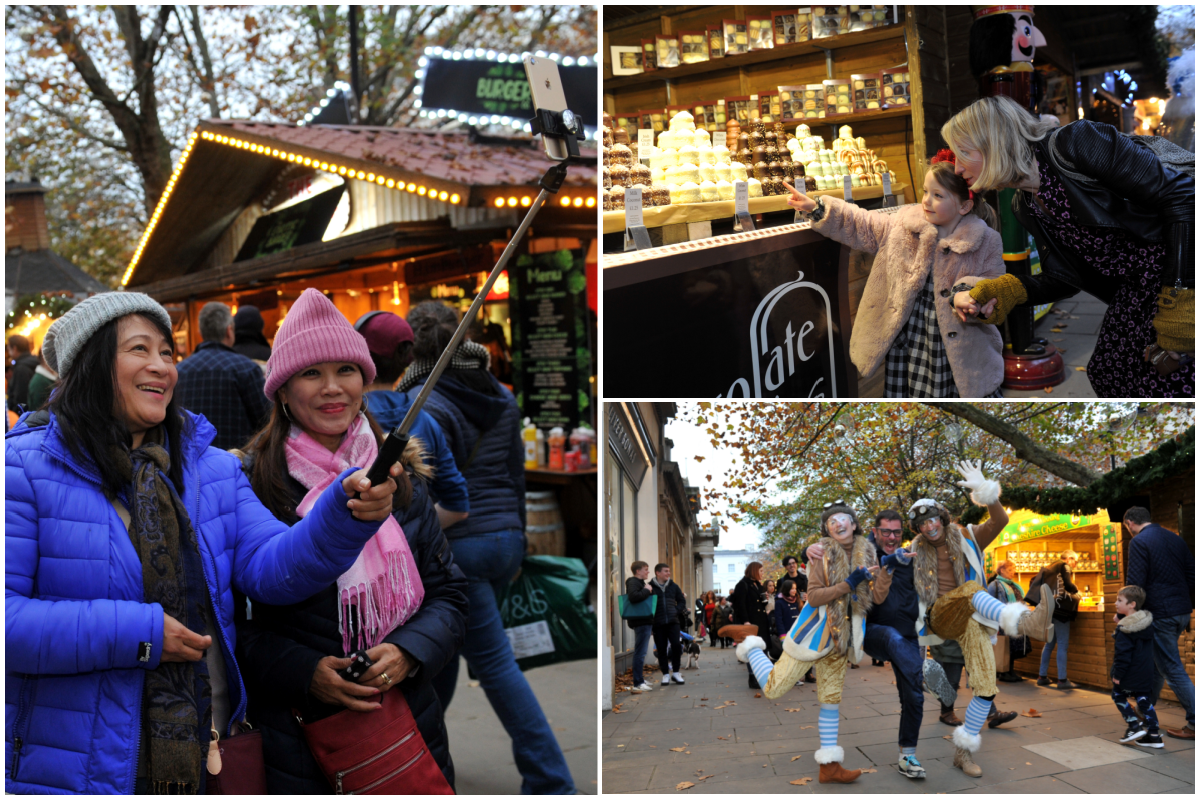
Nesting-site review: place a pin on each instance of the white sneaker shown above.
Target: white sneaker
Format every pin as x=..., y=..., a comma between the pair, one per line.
x=644, y=687
x=666, y=678
x=676, y=677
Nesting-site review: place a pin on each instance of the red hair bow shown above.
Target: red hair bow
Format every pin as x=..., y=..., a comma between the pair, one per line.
x=947, y=156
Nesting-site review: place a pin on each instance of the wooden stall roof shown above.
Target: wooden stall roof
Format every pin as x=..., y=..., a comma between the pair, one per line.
x=218, y=178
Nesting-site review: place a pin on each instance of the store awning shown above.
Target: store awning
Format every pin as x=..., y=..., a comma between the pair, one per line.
x=1024, y=525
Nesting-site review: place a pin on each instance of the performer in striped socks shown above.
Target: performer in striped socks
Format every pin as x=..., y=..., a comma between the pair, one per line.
x=828, y=633
x=948, y=575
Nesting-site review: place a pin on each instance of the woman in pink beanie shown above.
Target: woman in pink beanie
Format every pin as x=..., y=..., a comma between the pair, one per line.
x=403, y=601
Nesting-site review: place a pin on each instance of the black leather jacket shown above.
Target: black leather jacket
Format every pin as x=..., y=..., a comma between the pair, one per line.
x=1135, y=193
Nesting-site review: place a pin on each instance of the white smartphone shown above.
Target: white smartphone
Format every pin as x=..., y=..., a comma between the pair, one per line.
x=546, y=90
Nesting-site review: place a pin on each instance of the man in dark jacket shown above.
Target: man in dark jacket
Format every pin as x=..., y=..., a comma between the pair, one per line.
x=24, y=364
x=1163, y=565
x=671, y=606
x=248, y=339
x=225, y=387
x=1133, y=666
x=1060, y=577
x=638, y=589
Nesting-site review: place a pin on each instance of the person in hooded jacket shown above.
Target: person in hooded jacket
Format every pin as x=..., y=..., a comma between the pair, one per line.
x=118, y=671
x=248, y=336
x=1133, y=667
x=292, y=653
x=482, y=426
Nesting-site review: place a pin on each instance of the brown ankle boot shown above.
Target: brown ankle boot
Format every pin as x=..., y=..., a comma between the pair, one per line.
x=950, y=718
x=834, y=773
x=1039, y=623
x=962, y=760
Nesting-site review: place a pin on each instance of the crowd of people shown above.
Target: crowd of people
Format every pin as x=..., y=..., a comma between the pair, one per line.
x=927, y=608
x=206, y=533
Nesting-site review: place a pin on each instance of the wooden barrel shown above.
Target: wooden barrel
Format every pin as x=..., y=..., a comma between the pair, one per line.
x=544, y=531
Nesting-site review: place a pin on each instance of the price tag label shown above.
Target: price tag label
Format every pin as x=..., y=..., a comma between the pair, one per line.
x=719, y=139
x=741, y=197
x=645, y=141
x=847, y=188
x=887, y=184
x=633, y=207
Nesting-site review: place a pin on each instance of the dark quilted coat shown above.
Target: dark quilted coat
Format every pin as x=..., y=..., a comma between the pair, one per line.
x=1161, y=563
x=74, y=615
x=1133, y=653
x=473, y=409
x=279, y=650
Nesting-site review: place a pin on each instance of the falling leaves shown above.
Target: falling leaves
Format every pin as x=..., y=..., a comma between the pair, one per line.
x=679, y=787
x=1033, y=712
x=800, y=781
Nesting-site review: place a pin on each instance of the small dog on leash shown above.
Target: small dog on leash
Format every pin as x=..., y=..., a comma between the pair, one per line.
x=692, y=649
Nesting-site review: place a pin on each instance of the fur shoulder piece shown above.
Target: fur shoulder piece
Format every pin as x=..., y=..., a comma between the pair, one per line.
x=969, y=235
x=1138, y=620
x=837, y=568
x=913, y=219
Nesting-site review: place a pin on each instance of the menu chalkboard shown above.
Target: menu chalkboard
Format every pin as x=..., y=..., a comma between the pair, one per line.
x=300, y=224
x=551, y=359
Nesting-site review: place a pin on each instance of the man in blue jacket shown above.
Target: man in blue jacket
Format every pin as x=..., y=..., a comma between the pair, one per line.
x=1162, y=564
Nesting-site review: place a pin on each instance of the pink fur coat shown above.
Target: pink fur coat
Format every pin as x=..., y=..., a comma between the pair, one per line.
x=905, y=247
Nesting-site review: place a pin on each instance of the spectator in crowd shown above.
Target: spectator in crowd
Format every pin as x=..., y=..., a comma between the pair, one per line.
x=41, y=384
x=787, y=606
x=638, y=589
x=1006, y=589
x=482, y=425
x=1162, y=564
x=769, y=590
x=390, y=341
x=24, y=363
x=722, y=616
x=223, y=386
x=1133, y=667
x=248, y=339
x=798, y=572
x=750, y=608
x=124, y=649
x=405, y=599
x=1059, y=576
x=668, y=622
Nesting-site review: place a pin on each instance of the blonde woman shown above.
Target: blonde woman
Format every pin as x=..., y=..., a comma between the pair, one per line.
x=1107, y=217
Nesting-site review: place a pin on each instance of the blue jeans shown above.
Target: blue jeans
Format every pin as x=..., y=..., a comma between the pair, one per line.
x=1168, y=666
x=641, y=640
x=490, y=561
x=884, y=643
x=1062, y=640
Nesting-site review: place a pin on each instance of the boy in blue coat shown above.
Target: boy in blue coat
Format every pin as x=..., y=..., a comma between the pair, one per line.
x=1133, y=667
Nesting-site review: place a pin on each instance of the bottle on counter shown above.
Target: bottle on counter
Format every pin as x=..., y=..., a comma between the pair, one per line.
x=558, y=443
x=541, y=447
x=582, y=439
x=529, y=436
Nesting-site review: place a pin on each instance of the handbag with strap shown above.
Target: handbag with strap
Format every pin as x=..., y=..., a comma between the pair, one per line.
x=235, y=765
x=642, y=608
x=378, y=752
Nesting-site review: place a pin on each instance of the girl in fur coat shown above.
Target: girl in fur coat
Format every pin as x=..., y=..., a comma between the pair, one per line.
x=927, y=258
x=829, y=630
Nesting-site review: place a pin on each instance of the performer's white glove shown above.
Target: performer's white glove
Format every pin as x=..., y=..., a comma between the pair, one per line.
x=984, y=492
x=749, y=643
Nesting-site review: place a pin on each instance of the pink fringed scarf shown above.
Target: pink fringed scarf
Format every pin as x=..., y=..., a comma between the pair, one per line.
x=382, y=588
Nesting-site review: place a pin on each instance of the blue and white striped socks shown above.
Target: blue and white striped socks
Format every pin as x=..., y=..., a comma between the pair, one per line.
x=827, y=724
x=977, y=711
x=987, y=605
x=760, y=665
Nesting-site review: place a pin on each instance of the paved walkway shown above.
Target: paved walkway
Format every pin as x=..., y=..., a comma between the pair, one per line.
x=1078, y=322
x=482, y=751
x=745, y=744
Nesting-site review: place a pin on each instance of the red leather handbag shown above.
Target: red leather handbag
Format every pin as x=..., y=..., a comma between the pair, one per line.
x=238, y=763
x=374, y=752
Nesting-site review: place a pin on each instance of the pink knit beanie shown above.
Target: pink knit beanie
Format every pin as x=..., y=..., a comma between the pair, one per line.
x=312, y=332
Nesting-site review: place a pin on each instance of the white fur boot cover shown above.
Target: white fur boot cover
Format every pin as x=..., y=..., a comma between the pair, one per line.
x=966, y=741
x=831, y=755
x=749, y=643
x=1010, y=617
x=986, y=494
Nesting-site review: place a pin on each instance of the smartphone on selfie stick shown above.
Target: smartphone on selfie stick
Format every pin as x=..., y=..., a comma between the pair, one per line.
x=561, y=131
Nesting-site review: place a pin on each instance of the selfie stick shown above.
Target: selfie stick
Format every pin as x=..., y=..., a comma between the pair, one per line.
x=558, y=124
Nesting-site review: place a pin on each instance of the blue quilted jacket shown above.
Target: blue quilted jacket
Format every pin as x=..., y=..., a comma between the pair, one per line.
x=484, y=434
x=74, y=616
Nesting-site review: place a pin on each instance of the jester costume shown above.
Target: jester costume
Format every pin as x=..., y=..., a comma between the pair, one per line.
x=827, y=634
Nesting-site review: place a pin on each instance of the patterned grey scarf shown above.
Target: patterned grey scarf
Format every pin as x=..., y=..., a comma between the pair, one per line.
x=469, y=355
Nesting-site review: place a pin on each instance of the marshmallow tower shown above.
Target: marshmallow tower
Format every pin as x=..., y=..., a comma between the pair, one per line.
x=687, y=163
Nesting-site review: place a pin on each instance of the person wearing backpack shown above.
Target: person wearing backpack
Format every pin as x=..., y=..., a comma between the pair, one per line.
x=1109, y=216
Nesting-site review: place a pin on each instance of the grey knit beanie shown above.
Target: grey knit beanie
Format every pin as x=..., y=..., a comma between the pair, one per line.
x=71, y=331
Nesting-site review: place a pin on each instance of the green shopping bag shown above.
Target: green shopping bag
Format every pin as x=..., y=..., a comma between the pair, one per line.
x=545, y=612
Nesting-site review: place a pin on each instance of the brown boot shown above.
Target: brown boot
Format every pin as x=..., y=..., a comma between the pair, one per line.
x=962, y=760
x=950, y=718
x=834, y=773
x=1039, y=623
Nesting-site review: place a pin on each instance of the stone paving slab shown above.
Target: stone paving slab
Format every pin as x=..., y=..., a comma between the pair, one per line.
x=1120, y=779
x=1042, y=785
x=1085, y=752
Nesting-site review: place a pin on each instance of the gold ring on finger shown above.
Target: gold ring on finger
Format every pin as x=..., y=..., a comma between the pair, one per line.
x=385, y=677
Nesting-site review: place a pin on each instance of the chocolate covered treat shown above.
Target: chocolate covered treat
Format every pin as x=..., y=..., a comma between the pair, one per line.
x=608, y=120
x=758, y=136
x=761, y=170
x=776, y=168
x=621, y=136
x=606, y=200
x=606, y=172
x=639, y=173
x=774, y=186
x=659, y=195
x=620, y=175
x=620, y=154
x=810, y=184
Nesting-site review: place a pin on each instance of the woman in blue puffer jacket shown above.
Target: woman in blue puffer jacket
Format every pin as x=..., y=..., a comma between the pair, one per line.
x=125, y=535
x=480, y=420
